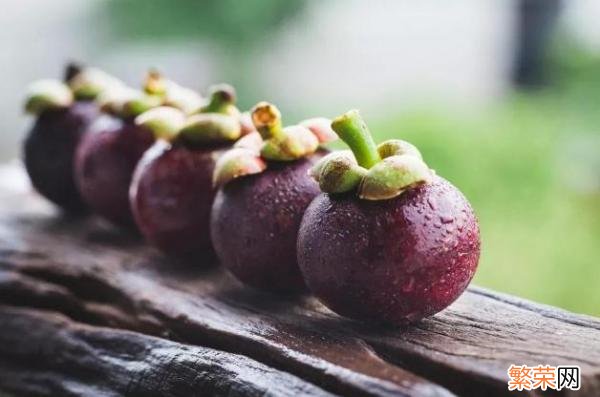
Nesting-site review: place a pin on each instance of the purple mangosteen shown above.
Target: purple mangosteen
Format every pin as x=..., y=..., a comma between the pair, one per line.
x=108, y=154
x=387, y=240
x=172, y=191
x=104, y=165
x=265, y=188
x=64, y=111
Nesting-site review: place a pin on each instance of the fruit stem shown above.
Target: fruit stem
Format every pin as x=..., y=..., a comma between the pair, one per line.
x=352, y=129
x=155, y=83
x=221, y=96
x=71, y=70
x=267, y=120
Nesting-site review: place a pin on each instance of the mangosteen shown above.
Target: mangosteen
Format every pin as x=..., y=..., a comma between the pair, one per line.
x=387, y=240
x=63, y=113
x=108, y=154
x=265, y=188
x=172, y=190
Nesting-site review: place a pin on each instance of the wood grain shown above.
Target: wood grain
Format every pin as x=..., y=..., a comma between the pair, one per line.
x=84, y=360
x=112, y=282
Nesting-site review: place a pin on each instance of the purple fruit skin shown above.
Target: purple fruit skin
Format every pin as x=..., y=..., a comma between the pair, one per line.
x=171, y=198
x=104, y=165
x=255, y=221
x=49, y=151
x=392, y=261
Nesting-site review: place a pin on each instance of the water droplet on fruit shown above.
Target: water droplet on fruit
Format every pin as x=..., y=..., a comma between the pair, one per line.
x=446, y=218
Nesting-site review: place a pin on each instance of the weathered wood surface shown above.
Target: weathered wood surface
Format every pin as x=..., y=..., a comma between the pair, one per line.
x=130, y=321
x=44, y=353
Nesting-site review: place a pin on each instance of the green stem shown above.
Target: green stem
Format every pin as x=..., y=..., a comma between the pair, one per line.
x=267, y=120
x=354, y=132
x=155, y=83
x=221, y=97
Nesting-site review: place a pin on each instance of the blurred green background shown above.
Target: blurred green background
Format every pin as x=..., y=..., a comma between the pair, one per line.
x=515, y=126
x=531, y=168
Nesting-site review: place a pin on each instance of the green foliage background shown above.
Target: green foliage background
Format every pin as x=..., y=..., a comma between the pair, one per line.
x=237, y=23
x=541, y=238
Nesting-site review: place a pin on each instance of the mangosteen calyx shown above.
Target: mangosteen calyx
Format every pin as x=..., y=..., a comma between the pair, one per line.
x=172, y=94
x=47, y=94
x=376, y=172
x=216, y=122
x=222, y=100
x=126, y=102
x=82, y=84
x=271, y=142
x=90, y=83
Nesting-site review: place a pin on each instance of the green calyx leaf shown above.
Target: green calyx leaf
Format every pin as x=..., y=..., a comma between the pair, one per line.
x=321, y=127
x=386, y=170
x=165, y=122
x=140, y=104
x=235, y=163
x=194, y=122
x=392, y=176
x=171, y=93
x=127, y=102
x=91, y=83
x=397, y=147
x=210, y=127
x=338, y=172
x=295, y=142
x=252, y=141
x=48, y=94
x=189, y=101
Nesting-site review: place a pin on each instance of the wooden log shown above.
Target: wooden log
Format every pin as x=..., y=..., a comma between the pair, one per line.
x=98, y=276
x=59, y=357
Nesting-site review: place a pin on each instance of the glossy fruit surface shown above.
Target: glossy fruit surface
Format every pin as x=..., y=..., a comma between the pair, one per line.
x=104, y=165
x=172, y=195
x=255, y=221
x=49, y=151
x=393, y=261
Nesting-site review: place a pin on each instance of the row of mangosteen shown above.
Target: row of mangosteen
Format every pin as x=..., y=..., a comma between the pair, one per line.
x=372, y=231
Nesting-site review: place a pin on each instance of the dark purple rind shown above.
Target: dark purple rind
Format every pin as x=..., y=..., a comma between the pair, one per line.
x=395, y=261
x=171, y=198
x=104, y=165
x=49, y=150
x=255, y=221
